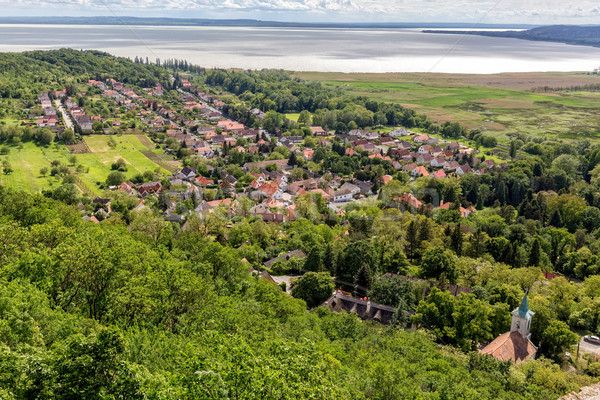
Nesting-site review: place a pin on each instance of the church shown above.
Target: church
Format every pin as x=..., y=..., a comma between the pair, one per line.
x=514, y=345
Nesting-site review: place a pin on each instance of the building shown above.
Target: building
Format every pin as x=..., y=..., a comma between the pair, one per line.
x=514, y=345
x=364, y=309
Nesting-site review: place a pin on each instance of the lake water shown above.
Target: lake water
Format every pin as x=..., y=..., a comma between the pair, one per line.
x=309, y=49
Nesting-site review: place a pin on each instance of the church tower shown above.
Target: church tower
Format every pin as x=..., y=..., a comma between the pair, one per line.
x=521, y=319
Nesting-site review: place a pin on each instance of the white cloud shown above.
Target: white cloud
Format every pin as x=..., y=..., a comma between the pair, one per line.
x=485, y=11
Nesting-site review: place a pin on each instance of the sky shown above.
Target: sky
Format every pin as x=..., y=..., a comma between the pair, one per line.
x=541, y=12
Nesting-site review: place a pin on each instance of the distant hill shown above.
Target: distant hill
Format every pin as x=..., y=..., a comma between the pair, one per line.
x=102, y=20
x=570, y=34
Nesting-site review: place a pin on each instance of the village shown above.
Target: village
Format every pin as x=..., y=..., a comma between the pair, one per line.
x=194, y=121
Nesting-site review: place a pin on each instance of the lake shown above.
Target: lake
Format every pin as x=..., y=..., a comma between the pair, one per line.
x=309, y=49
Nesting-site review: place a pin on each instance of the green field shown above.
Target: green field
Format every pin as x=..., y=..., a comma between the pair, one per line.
x=292, y=116
x=28, y=161
x=26, y=164
x=102, y=156
x=502, y=103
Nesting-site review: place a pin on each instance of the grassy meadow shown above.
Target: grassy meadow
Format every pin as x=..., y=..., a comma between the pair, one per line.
x=28, y=161
x=500, y=103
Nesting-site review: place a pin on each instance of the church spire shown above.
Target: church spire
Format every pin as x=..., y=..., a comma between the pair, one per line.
x=524, y=307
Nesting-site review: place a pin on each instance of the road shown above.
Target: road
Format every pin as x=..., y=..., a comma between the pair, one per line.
x=66, y=117
x=211, y=108
x=589, y=347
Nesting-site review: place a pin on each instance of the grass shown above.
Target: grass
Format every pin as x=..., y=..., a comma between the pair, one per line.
x=26, y=164
x=28, y=161
x=500, y=104
x=99, y=161
x=292, y=116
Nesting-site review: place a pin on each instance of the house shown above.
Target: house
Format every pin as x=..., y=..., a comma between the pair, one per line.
x=270, y=190
x=286, y=257
x=317, y=131
x=400, y=152
x=464, y=169
x=386, y=140
x=409, y=199
x=419, y=171
x=341, y=195
x=404, y=145
x=424, y=158
x=307, y=184
x=364, y=309
x=352, y=188
x=323, y=194
x=453, y=146
x=409, y=167
x=421, y=139
x=308, y=154
x=128, y=187
x=438, y=161
x=364, y=186
x=188, y=173
x=148, y=188
x=399, y=132
x=451, y=166
x=464, y=212
x=385, y=179
x=261, y=208
x=488, y=164
x=425, y=149
x=260, y=178
x=514, y=345
x=438, y=174
x=216, y=203
x=202, y=181
x=230, y=126
x=205, y=151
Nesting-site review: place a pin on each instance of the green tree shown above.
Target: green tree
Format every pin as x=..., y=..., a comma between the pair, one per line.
x=535, y=253
x=7, y=167
x=313, y=260
x=438, y=263
x=456, y=240
x=352, y=259
x=556, y=339
x=314, y=288
x=68, y=136
x=115, y=178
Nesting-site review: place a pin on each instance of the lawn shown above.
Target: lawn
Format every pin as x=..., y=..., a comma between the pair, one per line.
x=28, y=161
x=500, y=104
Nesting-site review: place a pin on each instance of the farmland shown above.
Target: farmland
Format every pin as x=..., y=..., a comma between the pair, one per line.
x=502, y=103
x=28, y=161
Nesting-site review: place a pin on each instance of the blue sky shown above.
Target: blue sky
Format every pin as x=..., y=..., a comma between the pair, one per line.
x=472, y=11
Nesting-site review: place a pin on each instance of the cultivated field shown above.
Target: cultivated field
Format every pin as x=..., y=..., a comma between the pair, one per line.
x=101, y=157
x=500, y=103
x=28, y=161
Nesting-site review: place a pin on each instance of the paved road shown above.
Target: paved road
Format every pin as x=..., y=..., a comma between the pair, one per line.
x=211, y=108
x=589, y=347
x=66, y=117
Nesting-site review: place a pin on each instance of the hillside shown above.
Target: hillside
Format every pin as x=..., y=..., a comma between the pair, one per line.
x=180, y=237
x=570, y=34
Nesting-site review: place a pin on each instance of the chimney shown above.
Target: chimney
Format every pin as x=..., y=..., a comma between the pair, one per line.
x=368, y=306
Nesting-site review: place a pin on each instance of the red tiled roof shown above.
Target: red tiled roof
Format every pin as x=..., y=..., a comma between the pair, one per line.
x=510, y=346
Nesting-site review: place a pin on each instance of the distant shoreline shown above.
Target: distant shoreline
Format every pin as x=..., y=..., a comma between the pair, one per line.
x=567, y=34
x=243, y=23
